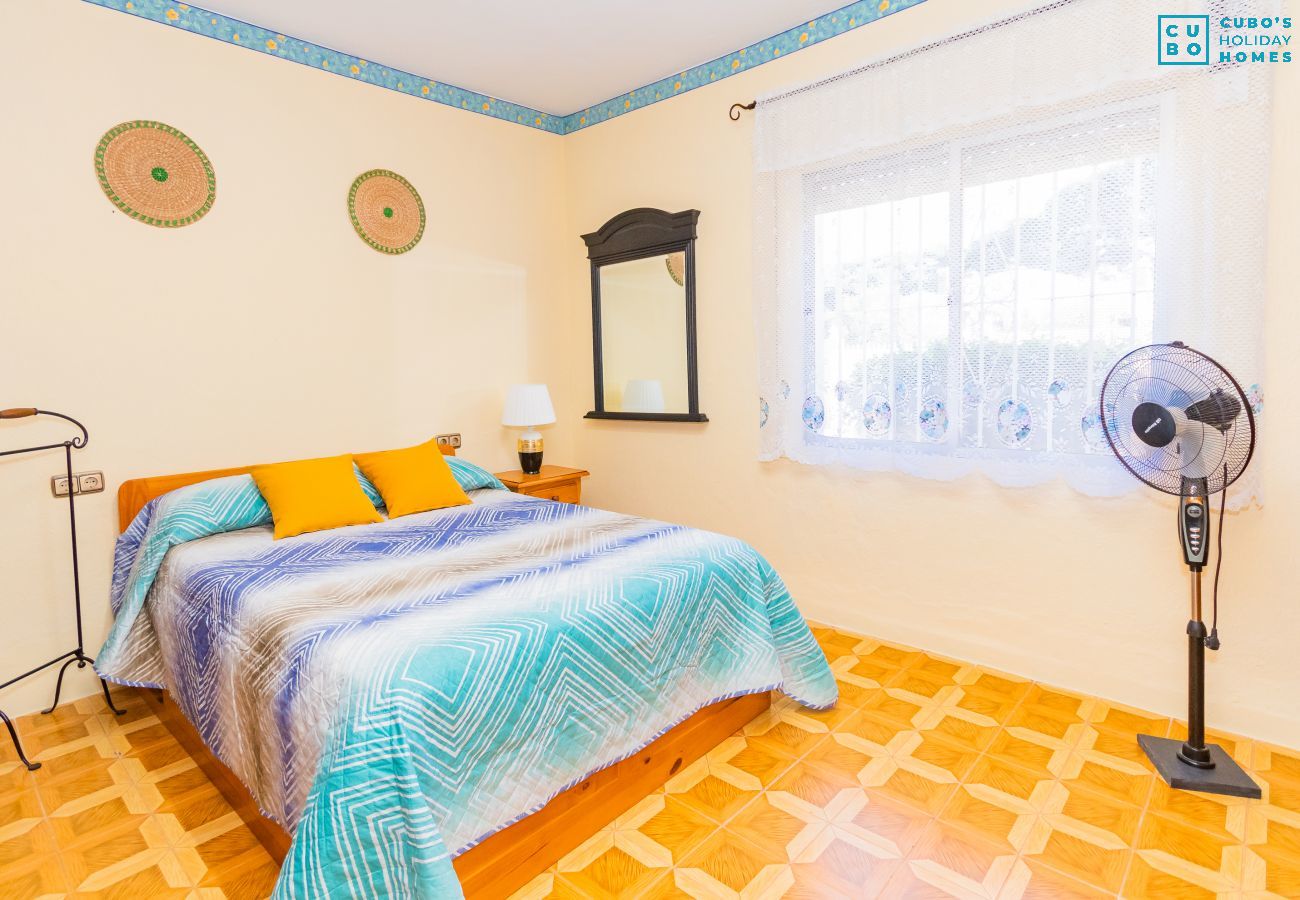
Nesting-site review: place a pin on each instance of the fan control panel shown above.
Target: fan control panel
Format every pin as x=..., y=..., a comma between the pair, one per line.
x=1194, y=525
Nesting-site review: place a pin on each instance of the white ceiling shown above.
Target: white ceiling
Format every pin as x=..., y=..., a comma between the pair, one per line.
x=558, y=57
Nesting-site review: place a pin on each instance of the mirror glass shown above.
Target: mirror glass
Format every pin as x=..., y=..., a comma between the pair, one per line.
x=643, y=334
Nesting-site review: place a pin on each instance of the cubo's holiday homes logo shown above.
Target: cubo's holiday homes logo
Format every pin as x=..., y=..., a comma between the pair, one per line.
x=1187, y=40
x=1184, y=40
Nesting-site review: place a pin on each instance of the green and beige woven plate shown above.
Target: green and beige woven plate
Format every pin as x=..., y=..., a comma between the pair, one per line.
x=155, y=174
x=386, y=211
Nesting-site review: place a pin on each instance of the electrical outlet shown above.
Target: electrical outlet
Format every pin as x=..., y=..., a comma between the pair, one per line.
x=82, y=483
x=449, y=440
x=59, y=486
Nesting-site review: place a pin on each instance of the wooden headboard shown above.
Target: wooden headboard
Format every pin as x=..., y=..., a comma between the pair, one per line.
x=135, y=493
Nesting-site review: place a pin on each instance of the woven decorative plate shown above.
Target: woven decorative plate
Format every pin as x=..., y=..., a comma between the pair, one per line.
x=155, y=174
x=386, y=211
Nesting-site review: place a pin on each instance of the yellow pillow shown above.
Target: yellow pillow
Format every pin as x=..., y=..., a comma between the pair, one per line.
x=413, y=480
x=314, y=494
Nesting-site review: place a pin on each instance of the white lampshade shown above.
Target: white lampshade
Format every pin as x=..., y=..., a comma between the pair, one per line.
x=527, y=405
x=644, y=395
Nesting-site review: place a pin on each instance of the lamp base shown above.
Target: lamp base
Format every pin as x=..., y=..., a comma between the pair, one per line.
x=530, y=453
x=1226, y=777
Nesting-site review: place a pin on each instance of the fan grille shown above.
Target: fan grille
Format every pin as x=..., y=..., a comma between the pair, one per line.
x=1194, y=387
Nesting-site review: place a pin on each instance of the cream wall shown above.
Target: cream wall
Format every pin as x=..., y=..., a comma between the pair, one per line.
x=1083, y=593
x=267, y=330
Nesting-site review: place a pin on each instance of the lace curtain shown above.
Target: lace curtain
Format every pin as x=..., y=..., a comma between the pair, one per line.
x=953, y=246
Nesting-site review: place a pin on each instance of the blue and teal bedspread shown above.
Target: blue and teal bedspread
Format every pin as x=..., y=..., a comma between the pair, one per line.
x=395, y=693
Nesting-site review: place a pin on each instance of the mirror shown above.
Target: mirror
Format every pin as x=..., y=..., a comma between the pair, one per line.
x=643, y=317
x=643, y=334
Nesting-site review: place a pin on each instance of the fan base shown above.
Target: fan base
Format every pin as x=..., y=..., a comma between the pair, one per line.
x=1225, y=778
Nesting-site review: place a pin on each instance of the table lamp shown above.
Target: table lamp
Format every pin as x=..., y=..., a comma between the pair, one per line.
x=527, y=406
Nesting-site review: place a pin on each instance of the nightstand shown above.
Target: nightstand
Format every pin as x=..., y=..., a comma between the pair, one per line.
x=551, y=483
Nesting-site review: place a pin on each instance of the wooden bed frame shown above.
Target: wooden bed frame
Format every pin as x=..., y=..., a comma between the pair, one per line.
x=512, y=857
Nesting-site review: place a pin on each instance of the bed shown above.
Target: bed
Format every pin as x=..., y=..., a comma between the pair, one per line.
x=447, y=701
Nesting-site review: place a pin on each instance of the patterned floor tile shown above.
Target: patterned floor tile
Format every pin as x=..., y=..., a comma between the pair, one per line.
x=827, y=878
x=1126, y=720
x=931, y=778
x=1052, y=713
x=236, y=853
x=853, y=841
x=835, y=643
x=621, y=857
x=1276, y=763
x=879, y=662
x=1112, y=776
x=952, y=862
x=1090, y=838
x=962, y=714
x=1010, y=783
x=770, y=826
x=547, y=886
x=1220, y=815
x=1042, y=754
x=1003, y=821
x=938, y=668
x=918, y=768
x=1280, y=793
x=783, y=731
x=34, y=876
x=1175, y=860
x=1112, y=743
x=856, y=691
x=714, y=788
x=1272, y=859
x=816, y=785
x=815, y=720
x=1034, y=881
x=612, y=873
x=727, y=865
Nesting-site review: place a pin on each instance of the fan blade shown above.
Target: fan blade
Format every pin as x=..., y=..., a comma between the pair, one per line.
x=1202, y=450
x=1219, y=410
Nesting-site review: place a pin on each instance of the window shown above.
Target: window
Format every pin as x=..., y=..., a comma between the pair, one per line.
x=952, y=245
x=974, y=294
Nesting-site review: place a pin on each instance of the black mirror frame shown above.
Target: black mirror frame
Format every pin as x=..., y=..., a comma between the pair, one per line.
x=637, y=234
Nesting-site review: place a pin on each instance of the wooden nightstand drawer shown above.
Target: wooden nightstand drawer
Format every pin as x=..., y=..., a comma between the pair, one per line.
x=551, y=483
x=560, y=491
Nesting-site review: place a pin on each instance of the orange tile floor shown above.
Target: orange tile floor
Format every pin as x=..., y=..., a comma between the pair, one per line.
x=932, y=778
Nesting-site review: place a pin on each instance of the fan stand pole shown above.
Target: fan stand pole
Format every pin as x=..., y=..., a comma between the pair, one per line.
x=1193, y=765
x=1194, y=752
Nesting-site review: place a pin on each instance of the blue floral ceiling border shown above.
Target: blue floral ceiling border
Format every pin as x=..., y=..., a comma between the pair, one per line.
x=842, y=20
x=253, y=37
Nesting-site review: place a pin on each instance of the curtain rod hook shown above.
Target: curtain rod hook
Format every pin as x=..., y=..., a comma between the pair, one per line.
x=734, y=112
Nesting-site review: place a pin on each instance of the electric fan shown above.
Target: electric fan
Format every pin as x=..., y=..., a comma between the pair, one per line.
x=1179, y=422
